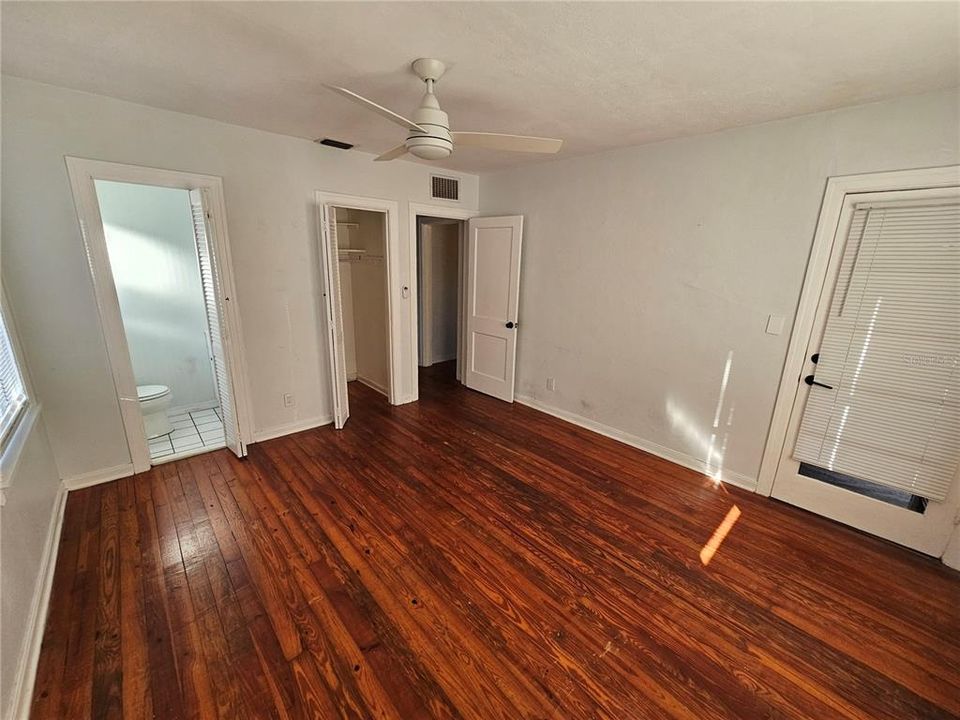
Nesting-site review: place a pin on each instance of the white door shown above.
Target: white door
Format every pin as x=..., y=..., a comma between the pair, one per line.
x=493, y=294
x=874, y=434
x=219, y=345
x=329, y=259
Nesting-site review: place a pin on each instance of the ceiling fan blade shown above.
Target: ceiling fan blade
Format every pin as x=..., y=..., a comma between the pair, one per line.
x=379, y=109
x=514, y=143
x=392, y=154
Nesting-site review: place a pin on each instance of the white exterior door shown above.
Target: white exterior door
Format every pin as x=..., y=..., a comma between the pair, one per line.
x=219, y=344
x=493, y=294
x=874, y=434
x=329, y=257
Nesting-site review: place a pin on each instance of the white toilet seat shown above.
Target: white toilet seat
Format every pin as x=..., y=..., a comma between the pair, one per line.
x=151, y=392
x=154, y=401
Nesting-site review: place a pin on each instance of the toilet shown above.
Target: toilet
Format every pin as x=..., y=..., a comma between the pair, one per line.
x=154, y=401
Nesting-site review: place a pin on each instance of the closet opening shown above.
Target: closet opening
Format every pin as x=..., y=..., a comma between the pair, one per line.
x=361, y=259
x=440, y=295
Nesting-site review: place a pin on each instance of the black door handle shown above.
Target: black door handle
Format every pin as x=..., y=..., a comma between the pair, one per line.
x=815, y=358
x=511, y=325
x=810, y=381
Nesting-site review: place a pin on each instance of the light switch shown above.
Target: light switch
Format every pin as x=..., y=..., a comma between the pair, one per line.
x=774, y=324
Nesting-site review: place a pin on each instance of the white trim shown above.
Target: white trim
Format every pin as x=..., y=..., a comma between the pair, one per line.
x=443, y=358
x=675, y=456
x=96, y=477
x=195, y=407
x=415, y=209
x=16, y=442
x=951, y=555
x=82, y=174
x=184, y=454
x=395, y=287
x=294, y=427
x=837, y=189
x=21, y=693
x=372, y=385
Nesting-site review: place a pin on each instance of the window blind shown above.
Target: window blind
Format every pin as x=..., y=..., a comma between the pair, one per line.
x=13, y=395
x=891, y=352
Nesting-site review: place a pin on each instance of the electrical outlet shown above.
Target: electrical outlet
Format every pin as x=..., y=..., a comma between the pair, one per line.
x=288, y=400
x=551, y=384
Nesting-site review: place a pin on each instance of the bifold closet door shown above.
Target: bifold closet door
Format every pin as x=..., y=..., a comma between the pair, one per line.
x=212, y=294
x=330, y=261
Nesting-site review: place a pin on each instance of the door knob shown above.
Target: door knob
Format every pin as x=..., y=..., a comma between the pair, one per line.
x=510, y=325
x=810, y=381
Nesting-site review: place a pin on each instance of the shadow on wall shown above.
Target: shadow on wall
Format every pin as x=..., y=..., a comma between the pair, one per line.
x=711, y=444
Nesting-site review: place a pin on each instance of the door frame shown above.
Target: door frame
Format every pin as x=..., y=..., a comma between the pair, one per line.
x=395, y=286
x=414, y=210
x=83, y=173
x=834, y=197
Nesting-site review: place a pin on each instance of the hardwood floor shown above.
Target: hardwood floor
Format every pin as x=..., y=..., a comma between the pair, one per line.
x=464, y=558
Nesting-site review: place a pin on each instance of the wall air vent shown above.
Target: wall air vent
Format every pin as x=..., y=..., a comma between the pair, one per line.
x=444, y=188
x=330, y=142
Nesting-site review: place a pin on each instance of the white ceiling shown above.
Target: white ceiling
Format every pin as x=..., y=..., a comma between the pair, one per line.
x=600, y=75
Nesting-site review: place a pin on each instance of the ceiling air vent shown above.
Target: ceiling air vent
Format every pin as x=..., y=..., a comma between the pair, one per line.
x=330, y=142
x=444, y=188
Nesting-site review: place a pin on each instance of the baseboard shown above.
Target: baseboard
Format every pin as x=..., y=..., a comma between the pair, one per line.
x=298, y=426
x=22, y=693
x=951, y=555
x=351, y=376
x=95, y=477
x=444, y=358
x=374, y=385
x=675, y=456
x=196, y=407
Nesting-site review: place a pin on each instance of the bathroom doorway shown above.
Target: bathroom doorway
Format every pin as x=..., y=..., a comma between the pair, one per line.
x=160, y=263
x=155, y=262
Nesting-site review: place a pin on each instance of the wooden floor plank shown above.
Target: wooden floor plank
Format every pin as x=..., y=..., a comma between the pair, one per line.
x=459, y=557
x=135, y=655
x=49, y=680
x=106, y=660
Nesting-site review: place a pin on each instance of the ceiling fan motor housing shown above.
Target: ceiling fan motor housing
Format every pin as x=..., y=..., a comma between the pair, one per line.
x=436, y=143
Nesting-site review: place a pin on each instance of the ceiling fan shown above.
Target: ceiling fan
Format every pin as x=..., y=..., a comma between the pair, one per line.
x=429, y=132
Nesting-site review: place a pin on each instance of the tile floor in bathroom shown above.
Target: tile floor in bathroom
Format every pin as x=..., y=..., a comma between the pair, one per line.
x=192, y=431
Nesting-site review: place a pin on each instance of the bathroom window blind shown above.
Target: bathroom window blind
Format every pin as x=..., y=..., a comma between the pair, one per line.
x=13, y=394
x=891, y=352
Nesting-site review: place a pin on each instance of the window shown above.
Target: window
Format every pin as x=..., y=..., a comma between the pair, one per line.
x=13, y=394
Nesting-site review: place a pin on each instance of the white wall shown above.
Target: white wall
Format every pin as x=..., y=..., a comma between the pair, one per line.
x=26, y=520
x=645, y=269
x=269, y=184
x=153, y=256
x=442, y=244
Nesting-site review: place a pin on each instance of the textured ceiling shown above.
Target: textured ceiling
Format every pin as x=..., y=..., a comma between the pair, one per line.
x=599, y=75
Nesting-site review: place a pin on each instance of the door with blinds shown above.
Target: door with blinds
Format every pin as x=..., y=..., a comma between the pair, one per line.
x=212, y=292
x=329, y=252
x=874, y=438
